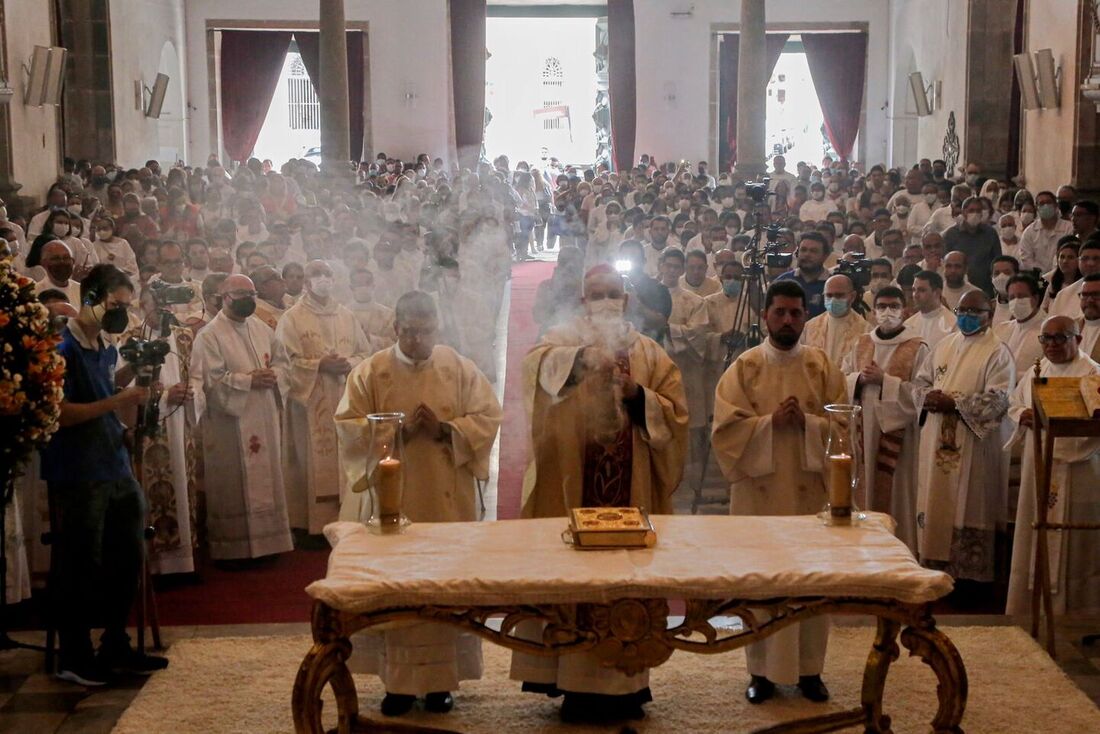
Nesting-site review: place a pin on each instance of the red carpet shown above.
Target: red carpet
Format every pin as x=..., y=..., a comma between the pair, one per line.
x=515, y=431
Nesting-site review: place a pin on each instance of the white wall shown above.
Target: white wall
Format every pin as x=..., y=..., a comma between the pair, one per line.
x=677, y=51
x=139, y=31
x=928, y=36
x=1048, y=134
x=409, y=54
x=34, y=129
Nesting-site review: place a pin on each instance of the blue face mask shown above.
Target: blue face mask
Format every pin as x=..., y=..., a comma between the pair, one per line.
x=968, y=323
x=837, y=306
x=731, y=288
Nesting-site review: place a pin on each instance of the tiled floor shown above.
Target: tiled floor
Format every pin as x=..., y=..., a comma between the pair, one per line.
x=34, y=703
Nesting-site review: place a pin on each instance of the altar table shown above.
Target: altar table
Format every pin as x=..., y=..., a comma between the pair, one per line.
x=768, y=571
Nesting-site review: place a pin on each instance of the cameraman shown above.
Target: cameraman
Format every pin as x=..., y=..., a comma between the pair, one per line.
x=97, y=505
x=811, y=274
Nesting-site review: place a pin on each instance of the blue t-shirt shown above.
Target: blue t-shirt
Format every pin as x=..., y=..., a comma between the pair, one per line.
x=815, y=292
x=92, y=451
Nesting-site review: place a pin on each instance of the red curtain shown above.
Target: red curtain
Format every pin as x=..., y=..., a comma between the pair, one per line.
x=622, y=82
x=468, y=78
x=728, y=62
x=309, y=46
x=251, y=62
x=838, y=64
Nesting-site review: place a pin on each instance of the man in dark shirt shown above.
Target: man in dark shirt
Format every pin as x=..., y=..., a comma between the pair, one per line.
x=650, y=303
x=97, y=505
x=979, y=241
x=811, y=274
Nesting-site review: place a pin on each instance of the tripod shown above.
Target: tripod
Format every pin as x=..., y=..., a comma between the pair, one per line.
x=745, y=334
x=148, y=424
x=7, y=475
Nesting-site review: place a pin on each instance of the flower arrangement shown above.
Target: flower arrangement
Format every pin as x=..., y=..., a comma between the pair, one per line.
x=32, y=372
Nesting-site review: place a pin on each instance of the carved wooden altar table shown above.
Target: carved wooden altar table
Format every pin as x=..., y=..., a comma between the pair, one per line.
x=768, y=571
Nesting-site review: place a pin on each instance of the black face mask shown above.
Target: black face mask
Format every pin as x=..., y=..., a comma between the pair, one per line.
x=115, y=320
x=242, y=307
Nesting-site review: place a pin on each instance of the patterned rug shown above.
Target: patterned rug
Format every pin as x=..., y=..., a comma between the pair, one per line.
x=243, y=685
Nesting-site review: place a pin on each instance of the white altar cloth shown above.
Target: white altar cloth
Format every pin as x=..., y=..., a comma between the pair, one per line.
x=696, y=557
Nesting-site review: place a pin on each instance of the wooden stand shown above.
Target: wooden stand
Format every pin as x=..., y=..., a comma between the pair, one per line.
x=1060, y=412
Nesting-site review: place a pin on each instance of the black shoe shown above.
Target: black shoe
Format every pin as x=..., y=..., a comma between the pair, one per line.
x=547, y=689
x=813, y=688
x=127, y=660
x=760, y=690
x=397, y=704
x=439, y=703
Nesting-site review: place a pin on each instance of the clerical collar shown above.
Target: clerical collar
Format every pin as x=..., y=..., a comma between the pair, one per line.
x=407, y=360
x=782, y=353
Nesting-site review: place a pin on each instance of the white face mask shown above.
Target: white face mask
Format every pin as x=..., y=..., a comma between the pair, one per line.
x=606, y=311
x=838, y=227
x=1020, y=308
x=61, y=230
x=1008, y=232
x=878, y=284
x=1000, y=283
x=973, y=219
x=727, y=202
x=931, y=199
x=363, y=294
x=321, y=285
x=903, y=211
x=888, y=319
x=1027, y=218
x=74, y=210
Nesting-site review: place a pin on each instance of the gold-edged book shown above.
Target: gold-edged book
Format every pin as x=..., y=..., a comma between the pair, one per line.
x=595, y=528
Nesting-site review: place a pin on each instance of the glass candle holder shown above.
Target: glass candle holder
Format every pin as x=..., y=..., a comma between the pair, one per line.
x=843, y=464
x=386, y=473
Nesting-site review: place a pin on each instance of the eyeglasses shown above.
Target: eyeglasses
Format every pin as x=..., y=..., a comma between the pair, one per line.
x=1092, y=296
x=1057, y=339
x=241, y=294
x=970, y=311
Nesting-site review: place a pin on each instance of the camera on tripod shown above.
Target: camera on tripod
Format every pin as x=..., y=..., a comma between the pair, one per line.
x=758, y=192
x=858, y=271
x=144, y=352
x=166, y=294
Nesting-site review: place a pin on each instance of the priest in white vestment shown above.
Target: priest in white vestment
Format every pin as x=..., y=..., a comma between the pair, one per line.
x=241, y=364
x=837, y=330
x=375, y=319
x=271, y=295
x=963, y=474
x=1090, y=324
x=880, y=370
x=1068, y=300
x=932, y=320
x=770, y=432
x=1074, y=556
x=695, y=277
x=1021, y=333
x=451, y=421
x=686, y=343
x=323, y=342
x=609, y=426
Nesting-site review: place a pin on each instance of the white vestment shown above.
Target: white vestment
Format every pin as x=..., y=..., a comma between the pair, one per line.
x=963, y=470
x=933, y=326
x=1074, y=555
x=1068, y=301
x=777, y=471
x=892, y=406
x=376, y=321
x=835, y=336
x=241, y=437
x=420, y=658
x=952, y=296
x=1022, y=339
x=310, y=330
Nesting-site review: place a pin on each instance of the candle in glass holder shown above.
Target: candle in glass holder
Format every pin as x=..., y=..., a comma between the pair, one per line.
x=388, y=483
x=840, y=489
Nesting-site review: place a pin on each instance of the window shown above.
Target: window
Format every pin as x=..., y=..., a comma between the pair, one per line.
x=303, y=104
x=552, y=83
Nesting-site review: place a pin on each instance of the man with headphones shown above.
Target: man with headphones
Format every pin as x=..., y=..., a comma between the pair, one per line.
x=97, y=506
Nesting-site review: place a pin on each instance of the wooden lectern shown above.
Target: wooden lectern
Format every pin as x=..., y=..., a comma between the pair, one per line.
x=1060, y=412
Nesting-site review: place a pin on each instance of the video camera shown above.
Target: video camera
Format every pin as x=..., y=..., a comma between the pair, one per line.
x=145, y=352
x=758, y=192
x=167, y=294
x=858, y=271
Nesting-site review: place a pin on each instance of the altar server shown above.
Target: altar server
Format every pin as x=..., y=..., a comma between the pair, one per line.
x=451, y=421
x=609, y=425
x=879, y=370
x=238, y=362
x=1075, y=489
x=769, y=437
x=963, y=474
x=324, y=342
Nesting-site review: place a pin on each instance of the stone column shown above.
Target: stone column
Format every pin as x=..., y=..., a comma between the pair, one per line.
x=333, y=90
x=752, y=85
x=9, y=188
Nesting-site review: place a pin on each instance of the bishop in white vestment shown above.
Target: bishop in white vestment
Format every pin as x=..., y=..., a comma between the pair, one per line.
x=963, y=474
x=770, y=432
x=324, y=343
x=1074, y=556
x=240, y=364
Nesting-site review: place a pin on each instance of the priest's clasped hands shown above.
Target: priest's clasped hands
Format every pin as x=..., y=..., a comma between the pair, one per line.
x=789, y=414
x=872, y=374
x=334, y=364
x=937, y=401
x=425, y=422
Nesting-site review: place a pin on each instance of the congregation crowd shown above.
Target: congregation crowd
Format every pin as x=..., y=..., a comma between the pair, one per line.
x=692, y=320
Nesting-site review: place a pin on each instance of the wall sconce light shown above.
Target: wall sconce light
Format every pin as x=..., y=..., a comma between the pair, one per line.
x=411, y=96
x=45, y=76
x=927, y=98
x=1090, y=89
x=1040, y=80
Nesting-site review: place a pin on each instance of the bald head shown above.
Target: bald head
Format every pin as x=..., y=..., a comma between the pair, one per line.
x=1061, y=339
x=723, y=258
x=954, y=269
x=315, y=268
x=854, y=243
x=236, y=283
